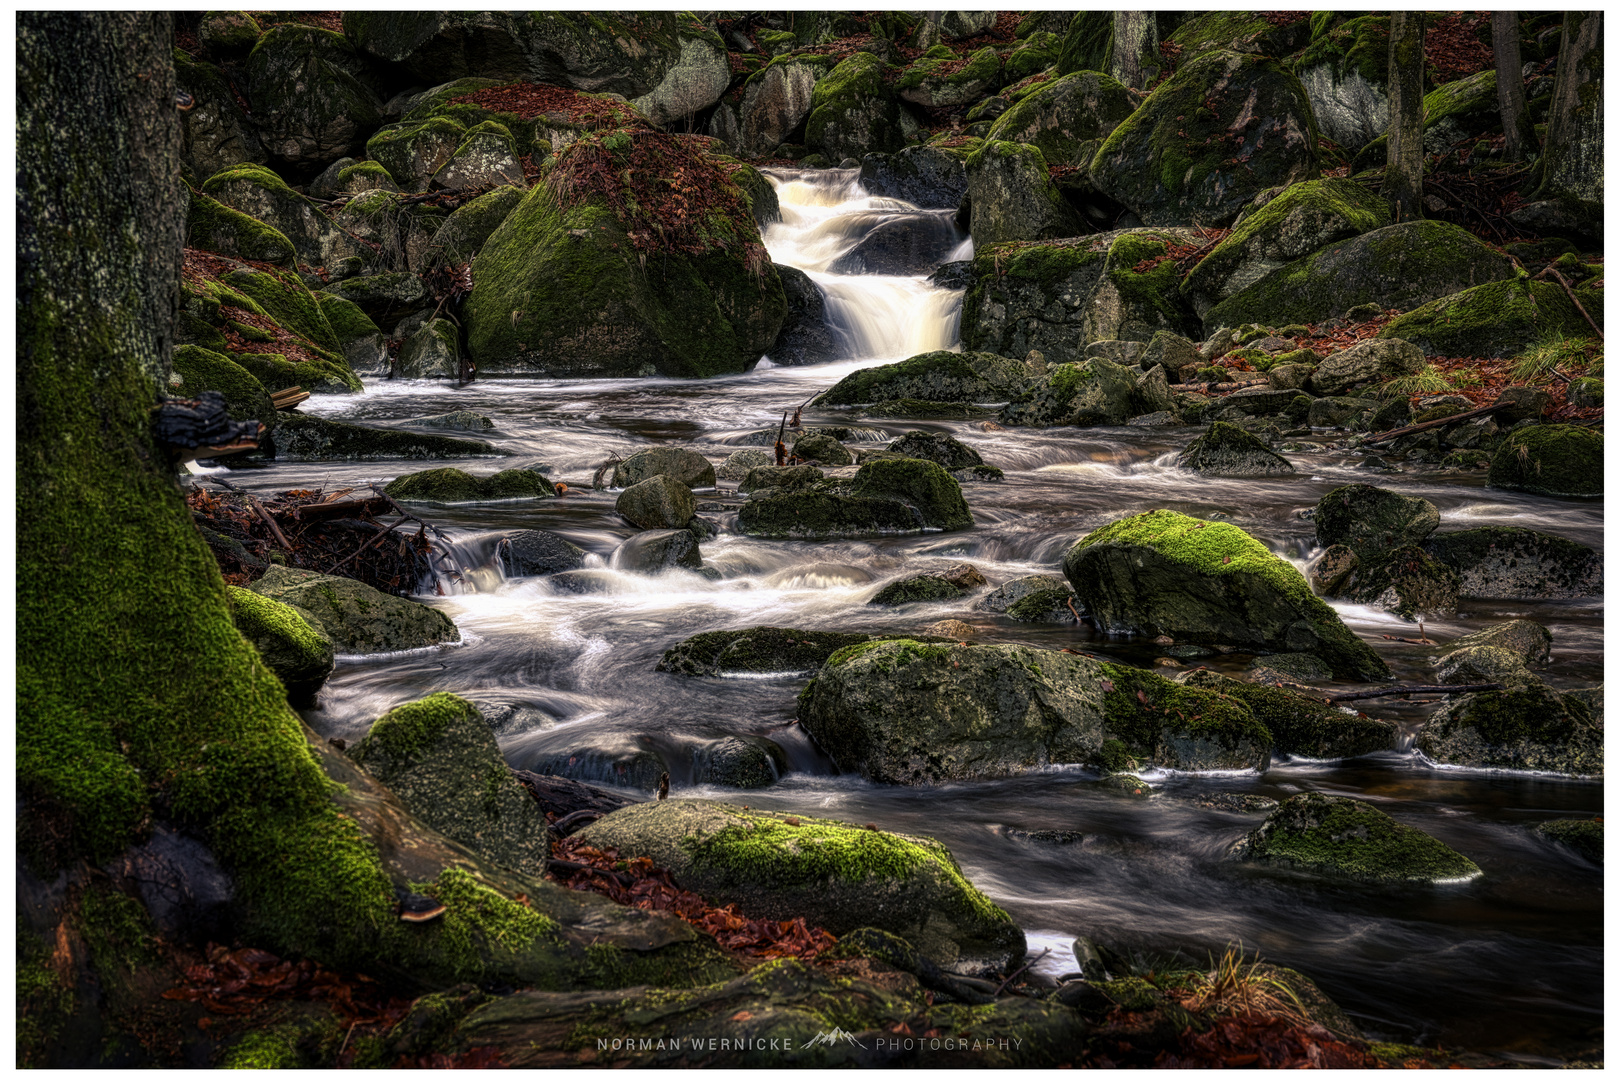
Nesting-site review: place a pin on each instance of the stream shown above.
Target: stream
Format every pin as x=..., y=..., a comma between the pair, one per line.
x=1510, y=963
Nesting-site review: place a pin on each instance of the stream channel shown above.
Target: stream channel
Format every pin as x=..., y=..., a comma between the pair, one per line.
x=1510, y=963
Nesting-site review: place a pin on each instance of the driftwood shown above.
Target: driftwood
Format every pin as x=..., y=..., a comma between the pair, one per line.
x=275, y=530
x=564, y=797
x=329, y=510
x=1442, y=422
x=1226, y=387
x=289, y=398
x=1572, y=298
x=1396, y=691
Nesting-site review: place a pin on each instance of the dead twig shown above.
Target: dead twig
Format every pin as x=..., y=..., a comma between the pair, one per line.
x=1442, y=422
x=1399, y=691
x=1027, y=965
x=275, y=529
x=1572, y=299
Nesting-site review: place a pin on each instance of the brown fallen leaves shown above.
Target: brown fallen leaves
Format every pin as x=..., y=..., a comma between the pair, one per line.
x=638, y=883
x=234, y=982
x=1264, y=1042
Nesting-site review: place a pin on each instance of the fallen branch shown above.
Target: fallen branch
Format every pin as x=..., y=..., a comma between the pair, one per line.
x=577, y=817
x=1027, y=965
x=326, y=511
x=1397, y=691
x=1571, y=294
x=1442, y=422
x=275, y=530
x=1229, y=387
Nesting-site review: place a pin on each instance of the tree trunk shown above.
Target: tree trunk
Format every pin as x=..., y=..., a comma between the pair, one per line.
x=1134, y=60
x=1521, y=135
x=1571, y=162
x=1403, y=174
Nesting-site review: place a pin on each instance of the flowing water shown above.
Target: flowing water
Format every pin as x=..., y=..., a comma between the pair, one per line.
x=1509, y=963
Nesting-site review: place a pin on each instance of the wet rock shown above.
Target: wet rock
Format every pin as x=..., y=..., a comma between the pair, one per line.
x=940, y=80
x=917, y=409
x=1225, y=450
x=933, y=587
x=1084, y=394
x=928, y=177
x=902, y=245
x=823, y=449
x=1208, y=583
x=936, y=376
x=1038, y=598
x=455, y=486
x=440, y=758
x=185, y=890
x=312, y=438
x=1407, y=582
x=759, y=650
x=658, y=502
x=1373, y=521
x=460, y=420
x=657, y=550
x=687, y=466
x=298, y=654
x=901, y=495
x=1497, y=563
x=905, y=712
x=1550, y=459
x=954, y=629
x=1343, y=837
x=1288, y=667
x=805, y=337
x=777, y=100
x=739, y=763
x=535, y=553
x=836, y=875
x=1365, y=366
x=356, y=618
x=1528, y=727
x=1583, y=837
x=1302, y=727
x=790, y=477
x=937, y=447
x=596, y=761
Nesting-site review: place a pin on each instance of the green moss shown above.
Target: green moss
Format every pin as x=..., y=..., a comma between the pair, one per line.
x=1359, y=45
x=286, y=299
x=1214, y=549
x=1354, y=839
x=683, y=964
x=45, y=1002
x=1550, y=459
x=245, y=397
x=1086, y=43
x=479, y=926
x=262, y=1050
x=348, y=321
x=1497, y=319
x=454, y=486
x=275, y=372
x=408, y=731
x=1585, y=837
x=982, y=69
x=1131, y=993
x=1145, y=709
x=117, y=930
x=213, y=226
x=365, y=170
x=1153, y=292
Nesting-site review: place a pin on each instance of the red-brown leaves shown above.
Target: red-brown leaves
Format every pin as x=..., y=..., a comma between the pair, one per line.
x=1453, y=48
x=1264, y=1042
x=638, y=883
x=237, y=981
x=530, y=100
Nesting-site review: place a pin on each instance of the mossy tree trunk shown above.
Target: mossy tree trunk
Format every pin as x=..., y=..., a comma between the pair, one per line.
x=1571, y=161
x=1521, y=134
x=1134, y=60
x=1403, y=174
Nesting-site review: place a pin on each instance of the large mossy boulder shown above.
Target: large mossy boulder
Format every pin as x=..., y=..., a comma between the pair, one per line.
x=835, y=875
x=657, y=550
x=413, y=151
x=1011, y=196
x=224, y=230
x=899, y=495
x=261, y=194
x=936, y=376
x=289, y=646
x=1093, y=391
x=1227, y=450
x=1373, y=521
x=1301, y=726
x=1399, y=266
x=905, y=712
x=942, y=80
x=473, y=222
x=440, y=758
x=1063, y=115
x=1550, y=459
x=431, y=351
x=928, y=177
x=853, y=111
x=1219, y=131
x=1344, y=837
x=696, y=79
x=245, y=397
x=1298, y=220
x=777, y=100
x=1345, y=72
x=314, y=96
x=687, y=466
x=216, y=133
x=1527, y=727
x=1495, y=319
x=1501, y=563
x=313, y=438
x=561, y=287
x=356, y=618
x=757, y=650
x=456, y=486
x=1208, y=583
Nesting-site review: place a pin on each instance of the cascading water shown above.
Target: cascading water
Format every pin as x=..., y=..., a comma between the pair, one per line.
x=827, y=219
x=564, y=666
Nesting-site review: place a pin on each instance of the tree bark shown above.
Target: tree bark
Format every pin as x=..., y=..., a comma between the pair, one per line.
x=1521, y=135
x=1403, y=174
x=1571, y=162
x=1134, y=58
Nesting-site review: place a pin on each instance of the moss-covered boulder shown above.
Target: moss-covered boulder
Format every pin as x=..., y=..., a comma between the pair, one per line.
x=1501, y=563
x=1093, y=391
x=945, y=81
x=561, y=289
x=261, y=194
x=413, y=151
x=356, y=618
x=1291, y=224
x=696, y=78
x=431, y=351
x=1302, y=727
x=1343, y=837
x=455, y=486
x=386, y=298
x=485, y=158
x=1037, y=598
x=1373, y=521
x=905, y=712
x=686, y=466
x=934, y=586
x=757, y=650
x=472, y=223
x=853, y=111
x=1406, y=581
x=1012, y=196
x=1208, y=583
x=1525, y=637
x=1227, y=450
x=1365, y=366
x=661, y=501
x=935, y=446
x=1528, y=727
x=215, y=132
x=1498, y=319
x=1345, y=72
x=275, y=372
x=777, y=100
x=790, y=477
x=213, y=226
x=1225, y=127
x=299, y=655
x=1399, y=266
x=1550, y=459
x=900, y=495
x=245, y=397
x=440, y=758
x=1063, y=115
x=365, y=348
x=313, y=94
x=1584, y=837
x=314, y=438
x=936, y=376
x=835, y=875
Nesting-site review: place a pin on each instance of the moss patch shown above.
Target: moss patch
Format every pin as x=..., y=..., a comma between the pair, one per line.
x=1349, y=838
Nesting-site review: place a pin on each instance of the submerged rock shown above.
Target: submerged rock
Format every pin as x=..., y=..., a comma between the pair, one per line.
x=1342, y=837
x=355, y=617
x=1228, y=450
x=455, y=486
x=894, y=496
x=906, y=712
x=657, y=550
x=739, y=763
x=1583, y=837
x=835, y=875
x=1211, y=583
x=1407, y=582
x=931, y=587
x=758, y=650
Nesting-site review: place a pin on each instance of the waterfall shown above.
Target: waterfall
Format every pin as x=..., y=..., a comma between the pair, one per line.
x=838, y=235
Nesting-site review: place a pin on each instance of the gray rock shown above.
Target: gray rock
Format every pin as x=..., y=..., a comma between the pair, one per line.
x=356, y=618
x=1525, y=637
x=936, y=376
x=1335, y=412
x=1013, y=198
x=658, y=502
x=937, y=447
x=657, y=550
x=739, y=763
x=686, y=466
x=767, y=477
x=805, y=337
x=1366, y=365
x=903, y=495
x=460, y=420
x=1225, y=450
x=758, y=650
x=1038, y=598
x=823, y=449
x=485, y=159
x=1289, y=667
x=1343, y=837
x=1496, y=563
x=1373, y=521
x=741, y=462
x=932, y=587
x=925, y=176
x=902, y=245
x=1528, y=727
x=1084, y=394
x=534, y=553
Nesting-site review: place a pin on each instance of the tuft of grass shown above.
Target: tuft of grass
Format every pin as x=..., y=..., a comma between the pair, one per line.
x=1555, y=350
x=1234, y=985
x=1430, y=380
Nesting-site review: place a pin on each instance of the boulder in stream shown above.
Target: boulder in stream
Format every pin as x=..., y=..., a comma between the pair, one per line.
x=963, y=377
x=836, y=875
x=1302, y=727
x=1344, y=837
x=1372, y=521
x=1582, y=836
x=657, y=550
x=1037, y=598
x=535, y=552
x=900, y=495
x=908, y=712
x=757, y=650
x=313, y=438
x=736, y=762
x=298, y=654
x=658, y=502
x=687, y=466
x=1209, y=583
x=934, y=586
x=356, y=618
x=1499, y=563
x=455, y=486
x=1528, y=727
x=1550, y=459
x=1228, y=450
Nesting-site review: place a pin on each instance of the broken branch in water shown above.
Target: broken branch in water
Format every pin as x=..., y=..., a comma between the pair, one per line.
x=1442, y=422
x=1397, y=691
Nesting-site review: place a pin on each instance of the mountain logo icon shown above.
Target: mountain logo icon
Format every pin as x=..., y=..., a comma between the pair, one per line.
x=833, y=1038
